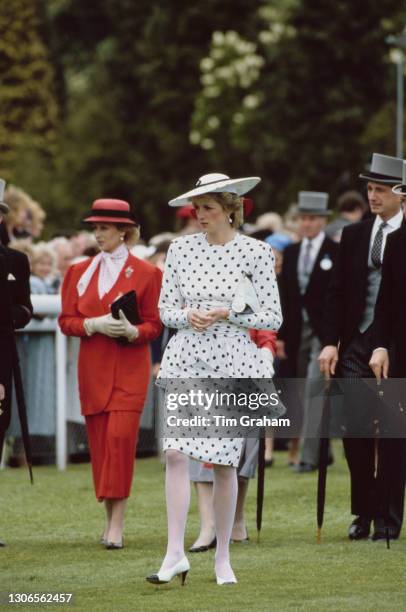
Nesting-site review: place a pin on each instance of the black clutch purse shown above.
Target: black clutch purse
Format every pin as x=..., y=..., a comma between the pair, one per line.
x=129, y=305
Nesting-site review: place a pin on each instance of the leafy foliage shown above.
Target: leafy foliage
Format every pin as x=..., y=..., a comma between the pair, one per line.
x=28, y=106
x=138, y=99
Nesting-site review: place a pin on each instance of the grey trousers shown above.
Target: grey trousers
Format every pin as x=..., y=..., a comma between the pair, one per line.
x=308, y=370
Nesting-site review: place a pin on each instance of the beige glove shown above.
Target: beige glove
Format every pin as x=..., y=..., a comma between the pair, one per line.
x=102, y=325
x=128, y=330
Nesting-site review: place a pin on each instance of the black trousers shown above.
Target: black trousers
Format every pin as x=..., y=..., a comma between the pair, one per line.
x=377, y=466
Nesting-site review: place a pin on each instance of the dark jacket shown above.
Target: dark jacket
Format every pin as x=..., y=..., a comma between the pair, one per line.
x=390, y=318
x=346, y=299
x=15, y=312
x=313, y=299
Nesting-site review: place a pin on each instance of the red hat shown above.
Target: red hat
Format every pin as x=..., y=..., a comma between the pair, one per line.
x=248, y=206
x=186, y=212
x=111, y=211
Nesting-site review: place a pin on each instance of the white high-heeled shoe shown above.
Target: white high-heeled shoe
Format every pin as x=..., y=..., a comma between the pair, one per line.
x=226, y=581
x=180, y=569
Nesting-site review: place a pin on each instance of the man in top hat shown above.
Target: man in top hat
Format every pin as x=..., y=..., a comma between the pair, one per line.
x=390, y=328
x=15, y=312
x=349, y=324
x=306, y=272
x=390, y=331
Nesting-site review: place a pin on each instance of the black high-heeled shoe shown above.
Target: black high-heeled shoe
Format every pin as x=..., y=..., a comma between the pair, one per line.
x=204, y=547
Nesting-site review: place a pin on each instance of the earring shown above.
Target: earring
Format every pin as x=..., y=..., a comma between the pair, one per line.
x=230, y=220
x=122, y=238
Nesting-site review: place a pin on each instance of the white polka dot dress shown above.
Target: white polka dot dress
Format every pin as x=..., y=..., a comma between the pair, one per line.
x=204, y=276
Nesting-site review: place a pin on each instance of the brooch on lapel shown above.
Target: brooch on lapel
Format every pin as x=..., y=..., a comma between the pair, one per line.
x=11, y=277
x=129, y=271
x=326, y=263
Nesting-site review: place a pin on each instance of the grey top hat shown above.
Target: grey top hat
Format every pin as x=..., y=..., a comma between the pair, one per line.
x=401, y=189
x=3, y=206
x=313, y=203
x=384, y=169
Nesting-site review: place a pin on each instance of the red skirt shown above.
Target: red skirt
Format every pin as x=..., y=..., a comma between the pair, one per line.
x=112, y=440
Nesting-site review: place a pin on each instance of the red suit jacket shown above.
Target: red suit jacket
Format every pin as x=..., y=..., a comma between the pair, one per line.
x=112, y=376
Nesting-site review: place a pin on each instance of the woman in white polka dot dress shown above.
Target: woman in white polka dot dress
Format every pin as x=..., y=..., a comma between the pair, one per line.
x=202, y=272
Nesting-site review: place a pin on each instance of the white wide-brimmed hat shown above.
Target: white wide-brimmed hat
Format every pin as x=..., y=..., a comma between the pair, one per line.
x=4, y=208
x=401, y=189
x=217, y=183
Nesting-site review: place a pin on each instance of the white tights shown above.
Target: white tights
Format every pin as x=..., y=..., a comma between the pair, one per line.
x=177, y=486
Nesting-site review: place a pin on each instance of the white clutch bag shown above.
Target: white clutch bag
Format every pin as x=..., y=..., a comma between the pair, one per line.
x=245, y=300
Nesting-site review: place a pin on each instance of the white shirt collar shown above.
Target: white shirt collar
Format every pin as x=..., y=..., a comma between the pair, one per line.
x=121, y=252
x=315, y=242
x=394, y=222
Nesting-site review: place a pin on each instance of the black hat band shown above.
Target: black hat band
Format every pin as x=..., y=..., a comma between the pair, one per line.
x=381, y=177
x=107, y=212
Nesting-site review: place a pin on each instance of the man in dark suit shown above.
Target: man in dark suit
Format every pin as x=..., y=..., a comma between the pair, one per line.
x=389, y=321
x=15, y=312
x=306, y=272
x=349, y=323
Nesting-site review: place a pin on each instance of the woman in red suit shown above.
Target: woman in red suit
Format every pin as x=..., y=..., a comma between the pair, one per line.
x=113, y=377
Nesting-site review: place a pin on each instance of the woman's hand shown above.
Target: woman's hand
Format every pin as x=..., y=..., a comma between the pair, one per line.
x=217, y=314
x=201, y=320
x=198, y=319
x=123, y=327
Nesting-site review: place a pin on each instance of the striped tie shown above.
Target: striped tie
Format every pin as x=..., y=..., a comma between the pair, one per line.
x=377, y=246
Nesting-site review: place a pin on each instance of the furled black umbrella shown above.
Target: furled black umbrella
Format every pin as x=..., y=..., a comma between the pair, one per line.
x=260, y=483
x=22, y=410
x=380, y=394
x=323, y=459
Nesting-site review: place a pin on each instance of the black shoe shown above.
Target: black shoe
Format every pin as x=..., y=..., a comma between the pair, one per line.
x=382, y=532
x=114, y=545
x=268, y=462
x=204, y=548
x=2, y=544
x=359, y=528
x=303, y=468
x=239, y=541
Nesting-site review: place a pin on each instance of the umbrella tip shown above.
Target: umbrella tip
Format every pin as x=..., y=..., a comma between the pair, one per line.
x=318, y=537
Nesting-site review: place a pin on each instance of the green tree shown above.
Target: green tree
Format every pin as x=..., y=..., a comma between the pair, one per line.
x=130, y=85
x=28, y=107
x=309, y=117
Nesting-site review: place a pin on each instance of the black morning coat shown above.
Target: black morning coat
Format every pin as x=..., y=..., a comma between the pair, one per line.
x=346, y=297
x=15, y=312
x=390, y=309
x=313, y=299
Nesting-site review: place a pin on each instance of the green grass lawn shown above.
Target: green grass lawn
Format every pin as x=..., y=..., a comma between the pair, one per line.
x=52, y=534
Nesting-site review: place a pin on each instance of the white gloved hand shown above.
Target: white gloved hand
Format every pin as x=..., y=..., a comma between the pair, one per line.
x=102, y=325
x=267, y=354
x=128, y=330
